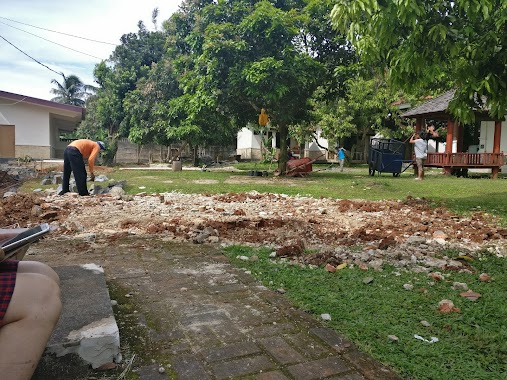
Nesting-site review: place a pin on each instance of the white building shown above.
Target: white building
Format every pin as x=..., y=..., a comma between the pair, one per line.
x=250, y=146
x=32, y=127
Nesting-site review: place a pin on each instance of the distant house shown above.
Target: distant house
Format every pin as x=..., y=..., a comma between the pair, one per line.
x=34, y=127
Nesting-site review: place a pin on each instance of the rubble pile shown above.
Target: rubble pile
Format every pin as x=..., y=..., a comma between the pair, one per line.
x=408, y=233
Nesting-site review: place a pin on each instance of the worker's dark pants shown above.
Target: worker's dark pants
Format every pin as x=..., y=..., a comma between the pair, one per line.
x=73, y=162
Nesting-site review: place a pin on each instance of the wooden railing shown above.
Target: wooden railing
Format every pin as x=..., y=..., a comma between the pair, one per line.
x=470, y=160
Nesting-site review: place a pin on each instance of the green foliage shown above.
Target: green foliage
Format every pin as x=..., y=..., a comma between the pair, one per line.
x=363, y=110
x=423, y=42
x=131, y=61
x=71, y=91
x=208, y=74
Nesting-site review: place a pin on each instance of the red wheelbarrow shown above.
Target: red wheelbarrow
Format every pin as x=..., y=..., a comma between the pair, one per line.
x=300, y=167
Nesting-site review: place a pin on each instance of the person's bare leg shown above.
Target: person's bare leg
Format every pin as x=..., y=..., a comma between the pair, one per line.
x=38, y=267
x=28, y=323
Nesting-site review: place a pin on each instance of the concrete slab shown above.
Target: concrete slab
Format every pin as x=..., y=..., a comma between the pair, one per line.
x=86, y=336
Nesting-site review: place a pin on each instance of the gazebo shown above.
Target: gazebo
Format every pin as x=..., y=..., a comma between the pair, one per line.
x=437, y=109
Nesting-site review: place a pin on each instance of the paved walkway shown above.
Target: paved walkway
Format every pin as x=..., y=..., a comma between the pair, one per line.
x=210, y=320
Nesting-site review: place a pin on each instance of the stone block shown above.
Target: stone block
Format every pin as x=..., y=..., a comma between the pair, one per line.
x=86, y=335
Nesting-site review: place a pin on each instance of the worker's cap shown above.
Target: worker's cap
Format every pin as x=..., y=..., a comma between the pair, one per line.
x=102, y=145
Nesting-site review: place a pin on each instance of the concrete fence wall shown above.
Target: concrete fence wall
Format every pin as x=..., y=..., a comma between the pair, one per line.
x=133, y=153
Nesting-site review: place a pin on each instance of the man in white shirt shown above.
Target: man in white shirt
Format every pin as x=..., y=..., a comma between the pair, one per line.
x=420, y=150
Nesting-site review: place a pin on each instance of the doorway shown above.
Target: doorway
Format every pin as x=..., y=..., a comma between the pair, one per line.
x=7, y=142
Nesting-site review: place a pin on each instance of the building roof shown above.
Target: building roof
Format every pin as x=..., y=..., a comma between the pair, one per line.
x=434, y=106
x=16, y=98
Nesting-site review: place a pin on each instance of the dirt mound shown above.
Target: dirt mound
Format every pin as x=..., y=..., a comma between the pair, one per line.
x=25, y=210
x=253, y=218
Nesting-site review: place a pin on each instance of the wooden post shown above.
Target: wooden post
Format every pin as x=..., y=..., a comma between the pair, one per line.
x=496, y=146
x=448, y=146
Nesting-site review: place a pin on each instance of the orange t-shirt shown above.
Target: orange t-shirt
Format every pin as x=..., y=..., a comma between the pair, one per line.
x=89, y=149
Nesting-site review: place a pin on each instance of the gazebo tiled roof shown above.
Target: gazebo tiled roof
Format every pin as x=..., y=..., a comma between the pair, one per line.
x=434, y=106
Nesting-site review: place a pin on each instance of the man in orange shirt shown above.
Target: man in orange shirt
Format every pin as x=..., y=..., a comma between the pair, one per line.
x=73, y=161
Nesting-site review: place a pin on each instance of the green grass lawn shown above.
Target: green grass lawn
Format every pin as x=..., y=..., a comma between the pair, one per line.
x=472, y=343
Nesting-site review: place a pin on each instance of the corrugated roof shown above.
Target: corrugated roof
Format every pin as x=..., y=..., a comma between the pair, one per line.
x=436, y=105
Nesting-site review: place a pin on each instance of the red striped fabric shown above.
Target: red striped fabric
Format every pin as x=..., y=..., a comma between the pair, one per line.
x=8, y=272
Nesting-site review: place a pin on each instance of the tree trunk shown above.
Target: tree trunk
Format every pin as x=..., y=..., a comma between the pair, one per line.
x=195, y=157
x=282, y=157
x=365, y=145
x=110, y=152
x=178, y=155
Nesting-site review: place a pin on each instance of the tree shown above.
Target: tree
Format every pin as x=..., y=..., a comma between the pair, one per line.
x=421, y=42
x=235, y=73
x=364, y=109
x=71, y=91
x=116, y=78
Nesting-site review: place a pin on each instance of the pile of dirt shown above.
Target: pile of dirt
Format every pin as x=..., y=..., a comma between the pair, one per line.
x=252, y=218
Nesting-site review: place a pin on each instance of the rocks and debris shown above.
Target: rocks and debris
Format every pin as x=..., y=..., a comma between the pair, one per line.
x=366, y=234
x=471, y=295
x=460, y=286
x=7, y=181
x=447, y=306
x=393, y=338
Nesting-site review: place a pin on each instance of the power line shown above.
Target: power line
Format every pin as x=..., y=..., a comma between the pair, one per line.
x=54, y=31
x=56, y=43
x=47, y=67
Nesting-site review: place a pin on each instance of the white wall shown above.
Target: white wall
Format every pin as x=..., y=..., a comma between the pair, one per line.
x=487, y=136
x=247, y=140
x=32, y=123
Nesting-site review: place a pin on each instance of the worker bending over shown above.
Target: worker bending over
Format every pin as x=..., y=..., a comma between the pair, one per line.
x=73, y=161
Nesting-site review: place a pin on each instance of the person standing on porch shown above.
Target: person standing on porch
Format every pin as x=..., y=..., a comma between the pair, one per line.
x=420, y=150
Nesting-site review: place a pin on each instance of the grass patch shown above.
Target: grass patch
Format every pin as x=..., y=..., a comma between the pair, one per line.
x=472, y=343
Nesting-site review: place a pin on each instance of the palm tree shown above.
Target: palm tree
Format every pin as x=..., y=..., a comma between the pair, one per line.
x=71, y=91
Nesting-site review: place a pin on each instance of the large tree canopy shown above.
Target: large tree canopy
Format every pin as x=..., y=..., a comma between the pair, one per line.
x=215, y=65
x=421, y=42
x=234, y=58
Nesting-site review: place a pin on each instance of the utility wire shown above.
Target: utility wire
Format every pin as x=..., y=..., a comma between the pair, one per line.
x=47, y=67
x=56, y=43
x=54, y=31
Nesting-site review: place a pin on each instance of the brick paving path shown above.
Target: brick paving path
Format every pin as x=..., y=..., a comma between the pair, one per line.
x=220, y=323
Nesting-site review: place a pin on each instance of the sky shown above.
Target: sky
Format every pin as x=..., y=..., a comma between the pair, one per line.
x=22, y=24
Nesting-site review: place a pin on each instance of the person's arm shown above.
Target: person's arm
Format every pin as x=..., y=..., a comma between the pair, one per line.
x=412, y=140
